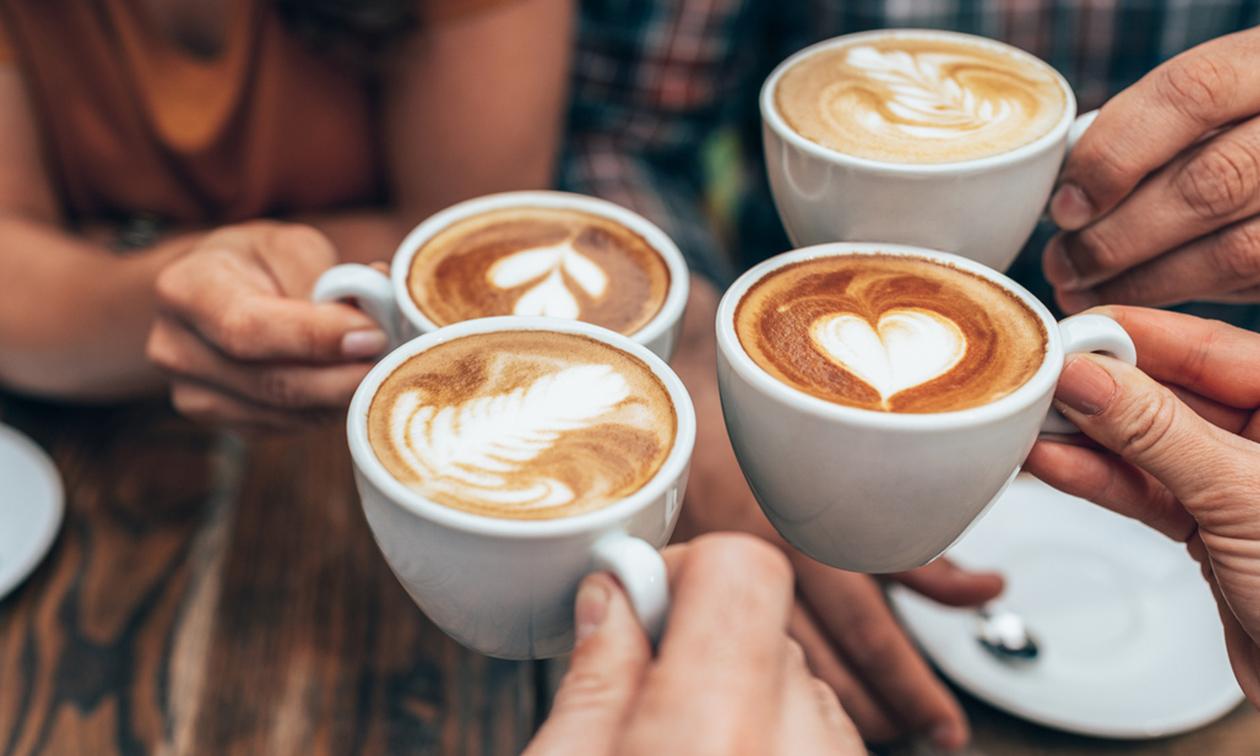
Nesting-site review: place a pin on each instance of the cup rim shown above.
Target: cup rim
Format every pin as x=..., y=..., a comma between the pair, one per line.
x=771, y=117
x=366, y=461
x=1037, y=385
x=679, y=275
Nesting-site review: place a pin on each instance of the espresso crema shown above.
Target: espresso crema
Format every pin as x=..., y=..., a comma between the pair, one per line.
x=552, y=262
x=523, y=424
x=910, y=98
x=890, y=333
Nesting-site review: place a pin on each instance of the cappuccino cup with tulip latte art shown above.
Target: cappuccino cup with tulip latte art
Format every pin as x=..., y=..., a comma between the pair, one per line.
x=526, y=254
x=913, y=99
x=522, y=424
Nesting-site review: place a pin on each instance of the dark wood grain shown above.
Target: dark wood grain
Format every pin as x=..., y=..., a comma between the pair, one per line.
x=212, y=595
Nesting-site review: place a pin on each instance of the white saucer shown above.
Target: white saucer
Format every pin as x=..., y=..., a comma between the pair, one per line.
x=1131, y=642
x=31, y=507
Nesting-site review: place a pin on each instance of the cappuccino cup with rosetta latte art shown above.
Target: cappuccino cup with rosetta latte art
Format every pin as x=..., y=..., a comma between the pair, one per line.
x=879, y=397
x=918, y=137
x=526, y=254
x=500, y=460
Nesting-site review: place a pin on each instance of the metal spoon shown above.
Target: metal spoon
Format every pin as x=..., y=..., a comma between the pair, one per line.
x=1003, y=633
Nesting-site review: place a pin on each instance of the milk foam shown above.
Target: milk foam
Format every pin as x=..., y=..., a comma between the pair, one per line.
x=522, y=424
x=907, y=347
x=919, y=99
x=551, y=295
x=477, y=450
x=542, y=261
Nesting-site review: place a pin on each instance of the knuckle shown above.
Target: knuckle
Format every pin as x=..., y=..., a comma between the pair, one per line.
x=1237, y=253
x=1147, y=424
x=291, y=239
x=234, y=333
x=1198, y=86
x=160, y=349
x=1095, y=251
x=585, y=689
x=751, y=554
x=169, y=287
x=1101, y=168
x=1220, y=180
x=280, y=389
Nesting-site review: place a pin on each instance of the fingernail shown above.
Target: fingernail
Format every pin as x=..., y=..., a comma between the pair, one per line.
x=590, y=608
x=366, y=343
x=1075, y=301
x=1085, y=386
x=948, y=737
x=1070, y=208
x=1059, y=269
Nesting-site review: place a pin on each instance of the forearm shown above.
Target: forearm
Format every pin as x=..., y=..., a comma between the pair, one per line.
x=74, y=316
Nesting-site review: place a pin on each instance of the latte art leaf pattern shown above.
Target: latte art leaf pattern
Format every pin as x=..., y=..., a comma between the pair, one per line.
x=926, y=100
x=550, y=296
x=907, y=348
x=478, y=449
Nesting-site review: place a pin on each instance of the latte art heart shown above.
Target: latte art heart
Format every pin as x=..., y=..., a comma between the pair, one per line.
x=908, y=347
x=547, y=268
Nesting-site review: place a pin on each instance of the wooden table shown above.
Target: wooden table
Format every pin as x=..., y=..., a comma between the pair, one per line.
x=209, y=595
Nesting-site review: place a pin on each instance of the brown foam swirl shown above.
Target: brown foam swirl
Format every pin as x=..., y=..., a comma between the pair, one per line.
x=523, y=424
x=909, y=99
x=1003, y=341
x=539, y=261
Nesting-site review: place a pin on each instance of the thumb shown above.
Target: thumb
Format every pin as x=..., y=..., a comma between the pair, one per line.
x=1143, y=422
x=604, y=674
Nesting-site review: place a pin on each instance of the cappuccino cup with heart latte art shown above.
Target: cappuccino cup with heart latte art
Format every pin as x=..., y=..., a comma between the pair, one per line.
x=879, y=397
x=528, y=254
x=911, y=136
x=500, y=460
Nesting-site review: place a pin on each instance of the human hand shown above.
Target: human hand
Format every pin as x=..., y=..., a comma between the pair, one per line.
x=851, y=639
x=726, y=678
x=1180, y=438
x=240, y=339
x=1160, y=199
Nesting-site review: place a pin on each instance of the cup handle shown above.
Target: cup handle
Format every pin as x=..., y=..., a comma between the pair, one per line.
x=370, y=289
x=1078, y=127
x=641, y=570
x=1089, y=333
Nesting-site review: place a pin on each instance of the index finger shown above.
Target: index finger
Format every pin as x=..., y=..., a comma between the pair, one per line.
x=1213, y=359
x=1146, y=125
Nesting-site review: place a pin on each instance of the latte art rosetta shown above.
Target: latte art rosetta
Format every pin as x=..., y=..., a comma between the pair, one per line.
x=522, y=424
x=909, y=99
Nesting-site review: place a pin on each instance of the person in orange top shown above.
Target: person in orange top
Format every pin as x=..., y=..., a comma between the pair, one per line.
x=174, y=176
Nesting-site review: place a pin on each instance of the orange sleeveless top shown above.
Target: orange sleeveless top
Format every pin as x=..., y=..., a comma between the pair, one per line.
x=134, y=124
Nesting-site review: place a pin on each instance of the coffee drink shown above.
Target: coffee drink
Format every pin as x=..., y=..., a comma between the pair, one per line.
x=554, y=262
x=890, y=333
x=915, y=98
x=522, y=424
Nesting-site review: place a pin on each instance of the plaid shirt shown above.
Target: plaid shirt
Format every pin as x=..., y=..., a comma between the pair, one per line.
x=664, y=117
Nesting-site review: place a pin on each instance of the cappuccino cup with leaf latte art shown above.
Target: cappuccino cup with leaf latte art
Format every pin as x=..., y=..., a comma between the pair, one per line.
x=928, y=138
x=880, y=396
x=527, y=254
x=500, y=460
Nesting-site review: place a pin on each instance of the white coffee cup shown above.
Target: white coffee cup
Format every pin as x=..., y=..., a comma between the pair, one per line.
x=506, y=587
x=387, y=300
x=984, y=209
x=875, y=491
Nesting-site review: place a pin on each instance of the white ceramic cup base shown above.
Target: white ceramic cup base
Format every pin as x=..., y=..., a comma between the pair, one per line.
x=984, y=209
x=881, y=492
x=386, y=299
x=506, y=587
